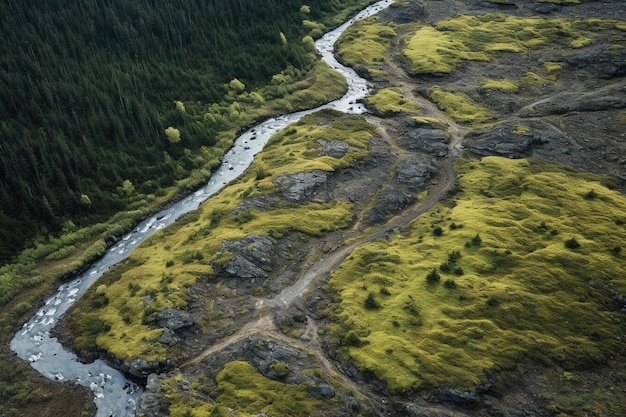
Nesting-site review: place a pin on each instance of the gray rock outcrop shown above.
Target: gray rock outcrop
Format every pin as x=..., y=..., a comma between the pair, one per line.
x=501, y=140
x=431, y=141
x=251, y=257
x=601, y=59
x=333, y=148
x=153, y=403
x=173, y=319
x=415, y=171
x=298, y=187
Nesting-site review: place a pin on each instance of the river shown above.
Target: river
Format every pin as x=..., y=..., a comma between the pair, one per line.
x=114, y=395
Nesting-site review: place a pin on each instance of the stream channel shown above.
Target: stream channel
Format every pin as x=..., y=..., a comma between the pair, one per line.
x=114, y=394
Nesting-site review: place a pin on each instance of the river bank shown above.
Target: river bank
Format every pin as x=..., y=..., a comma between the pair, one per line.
x=113, y=394
x=238, y=313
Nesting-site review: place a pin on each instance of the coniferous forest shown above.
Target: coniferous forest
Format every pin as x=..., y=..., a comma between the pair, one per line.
x=88, y=89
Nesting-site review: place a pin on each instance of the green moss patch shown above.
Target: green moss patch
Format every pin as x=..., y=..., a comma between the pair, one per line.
x=459, y=106
x=391, y=101
x=443, y=47
x=242, y=387
x=509, y=287
x=365, y=42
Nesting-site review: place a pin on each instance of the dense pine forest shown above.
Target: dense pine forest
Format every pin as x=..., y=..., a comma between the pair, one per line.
x=88, y=89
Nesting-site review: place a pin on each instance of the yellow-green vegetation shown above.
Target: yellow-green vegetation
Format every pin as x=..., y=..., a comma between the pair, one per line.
x=429, y=121
x=391, y=101
x=365, y=42
x=553, y=66
x=507, y=86
x=118, y=315
x=520, y=265
x=242, y=387
x=521, y=129
x=442, y=48
x=459, y=106
x=581, y=42
x=434, y=51
x=244, y=392
x=292, y=90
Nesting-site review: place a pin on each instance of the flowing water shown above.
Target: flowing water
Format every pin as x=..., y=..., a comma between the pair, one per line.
x=115, y=395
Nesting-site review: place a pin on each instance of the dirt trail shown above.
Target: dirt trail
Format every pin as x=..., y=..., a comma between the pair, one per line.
x=319, y=272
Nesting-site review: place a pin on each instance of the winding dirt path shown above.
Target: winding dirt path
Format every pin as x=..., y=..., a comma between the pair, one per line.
x=319, y=272
x=321, y=269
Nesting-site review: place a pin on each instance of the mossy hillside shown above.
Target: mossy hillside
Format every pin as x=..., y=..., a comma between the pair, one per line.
x=118, y=314
x=443, y=47
x=513, y=291
x=285, y=153
x=292, y=90
x=243, y=392
x=242, y=387
x=390, y=101
x=365, y=42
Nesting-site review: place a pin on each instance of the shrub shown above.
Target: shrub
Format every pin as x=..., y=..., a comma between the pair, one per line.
x=433, y=276
x=572, y=243
x=133, y=288
x=370, y=302
x=261, y=173
x=590, y=195
x=493, y=302
x=454, y=256
x=450, y=284
x=352, y=339
x=458, y=271
x=476, y=240
x=437, y=231
x=280, y=368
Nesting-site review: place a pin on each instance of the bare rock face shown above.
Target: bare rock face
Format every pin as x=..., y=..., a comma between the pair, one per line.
x=168, y=338
x=174, y=319
x=153, y=403
x=415, y=171
x=333, y=148
x=600, y=59
x=501, y=140
x=431, y=141
x=455, y=396
x=568, y=102
x=142, y=368
x=298, y=187
x=252, y=257
x=413, y=175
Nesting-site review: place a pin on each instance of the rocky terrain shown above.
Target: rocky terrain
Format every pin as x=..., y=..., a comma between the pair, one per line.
x=268, y=298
